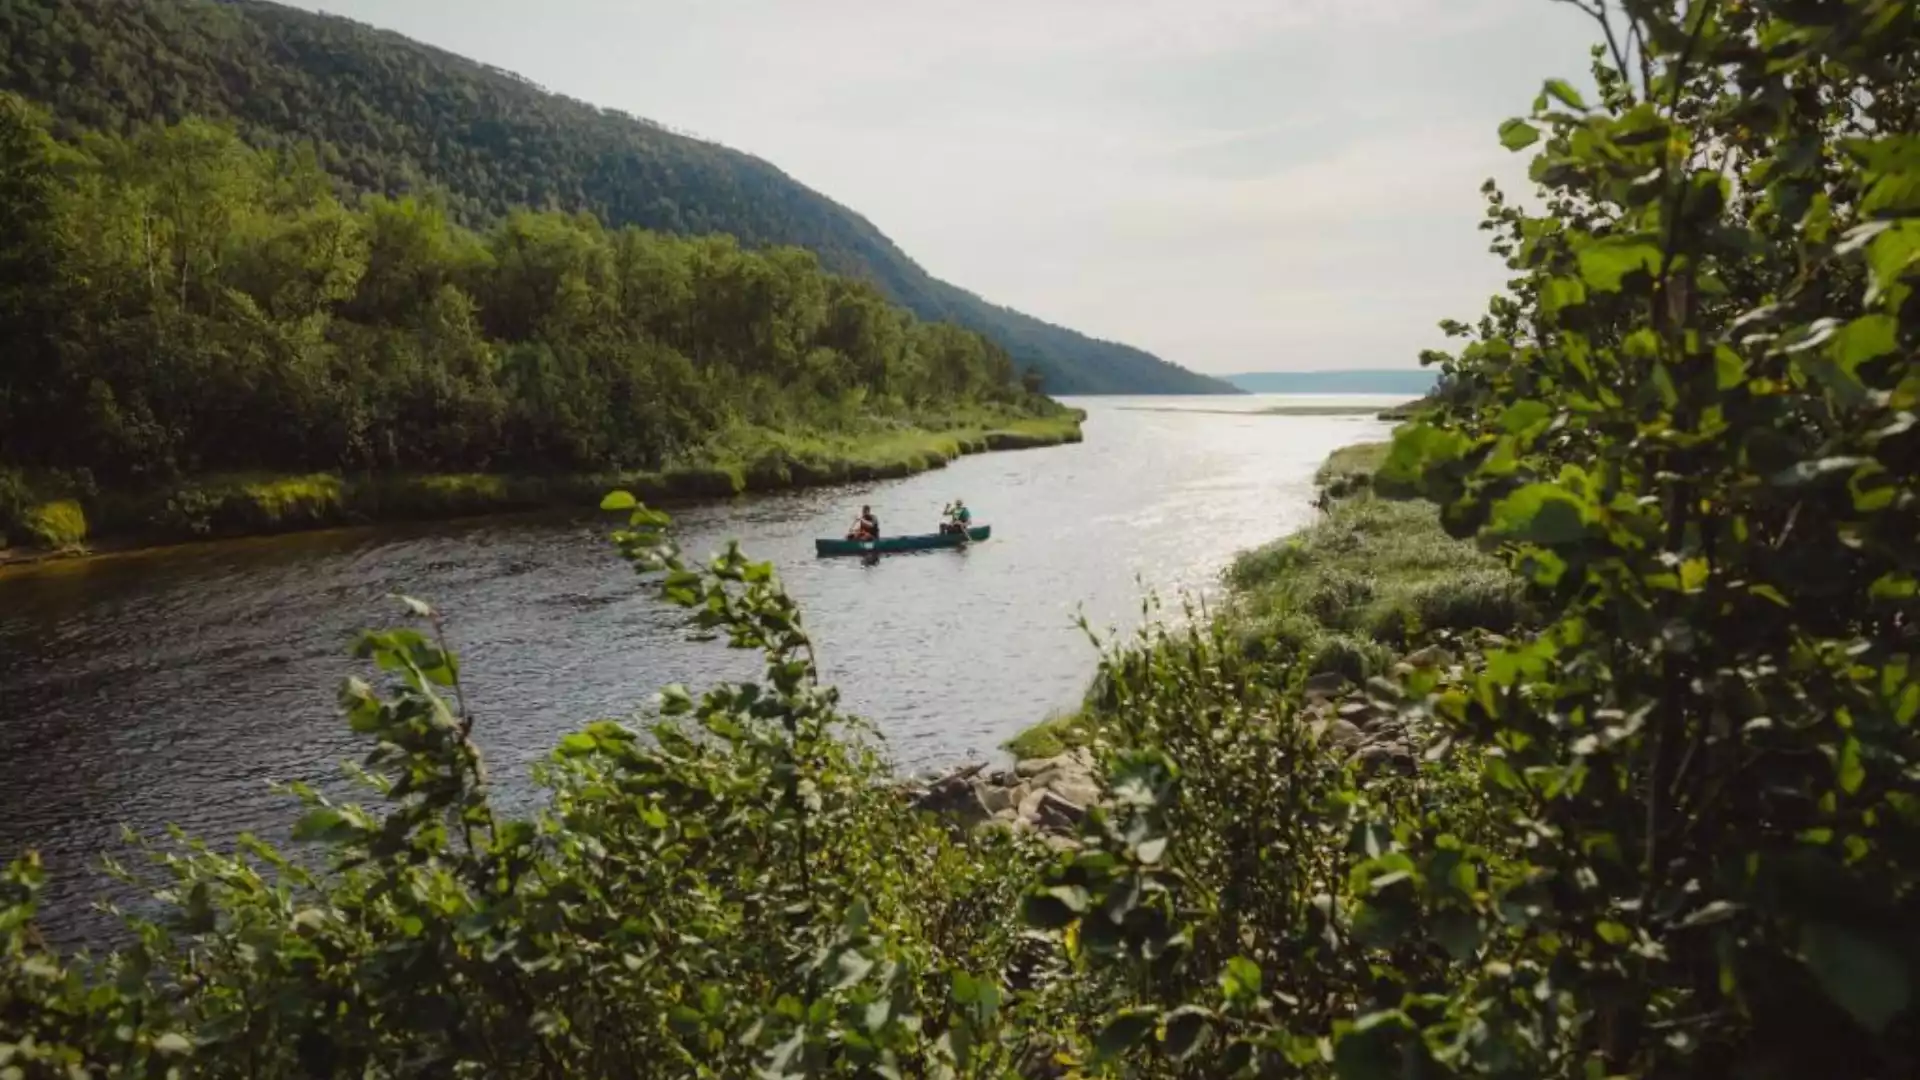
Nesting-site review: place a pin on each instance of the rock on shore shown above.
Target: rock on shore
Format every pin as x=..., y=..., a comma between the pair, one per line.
x=1048, y=796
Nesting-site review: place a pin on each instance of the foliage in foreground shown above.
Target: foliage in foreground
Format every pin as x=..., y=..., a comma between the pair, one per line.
x=1673, y=835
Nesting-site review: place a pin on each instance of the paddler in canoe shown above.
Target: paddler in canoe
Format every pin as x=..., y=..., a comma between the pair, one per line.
x=957, y=518
x=865, y=527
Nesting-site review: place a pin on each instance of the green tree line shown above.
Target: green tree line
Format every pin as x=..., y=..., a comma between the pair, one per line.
x=391, y=116
x=174, y=302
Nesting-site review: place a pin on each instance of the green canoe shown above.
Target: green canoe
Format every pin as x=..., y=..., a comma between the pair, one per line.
x=888, y=544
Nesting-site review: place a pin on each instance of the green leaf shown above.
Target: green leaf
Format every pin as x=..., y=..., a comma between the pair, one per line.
x=1459, y=933
x=1694, y=574
x=1380, y=924
x=1539, y=514
x=1894, y=586
x=1559, y=293
x=1517, y=134
x=1524, y=416
x=619, y=500
x=1863, y=977
x=1125, y=1030
x=1864, y=339
x=1729, y=368
x=577, y=744
x=1418, y=448
x=1187, y=1030
x=173, y=1043
x=1241, y=980
x=1373, y=1048
x=1847, y=767
x=675, y=700
x=1047, y=912
x=1768, y=592
x=324, y=824
x=1606, y=262
x=1891, y=253
x=1565, y=93
x=1809, y=472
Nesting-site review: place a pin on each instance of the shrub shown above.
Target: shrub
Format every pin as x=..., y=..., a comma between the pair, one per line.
x=1355, y=658
x=16, y=498
x=282, y=504
x=60, y=525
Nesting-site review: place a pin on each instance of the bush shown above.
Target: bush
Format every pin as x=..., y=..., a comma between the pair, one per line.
x=1336, y=597
x=16, y=498
x=60, y=525
x=1356, y=659
x=283, y=504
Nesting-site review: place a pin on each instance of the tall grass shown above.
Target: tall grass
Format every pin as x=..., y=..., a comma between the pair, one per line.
x=1372, y=580
x=48, y=514
x=1372, y=571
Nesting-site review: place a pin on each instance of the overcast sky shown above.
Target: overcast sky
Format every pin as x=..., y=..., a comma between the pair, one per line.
x=1236, y=185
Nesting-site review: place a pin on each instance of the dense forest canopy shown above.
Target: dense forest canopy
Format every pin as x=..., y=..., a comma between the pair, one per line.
x=393, y=117
x=176, y=302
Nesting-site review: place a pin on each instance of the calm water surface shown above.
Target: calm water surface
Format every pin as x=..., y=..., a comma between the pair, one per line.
x=176, y=686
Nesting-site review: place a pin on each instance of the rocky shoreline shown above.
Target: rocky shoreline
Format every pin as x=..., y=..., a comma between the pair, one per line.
x=1045, y=796
x=1049, y=797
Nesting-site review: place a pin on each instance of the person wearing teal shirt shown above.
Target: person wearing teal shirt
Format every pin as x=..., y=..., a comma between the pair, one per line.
x=959, y=518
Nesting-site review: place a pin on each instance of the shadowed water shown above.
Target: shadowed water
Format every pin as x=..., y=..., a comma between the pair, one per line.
x=175, y=686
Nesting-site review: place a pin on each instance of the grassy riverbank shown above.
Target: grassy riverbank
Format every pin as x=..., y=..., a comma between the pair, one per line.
x=1372, y=580
x=43, y=517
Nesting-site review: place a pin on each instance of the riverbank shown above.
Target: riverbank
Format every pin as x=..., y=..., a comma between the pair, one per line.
x=1276, y=410
x=67, y=523
x=1374, y=581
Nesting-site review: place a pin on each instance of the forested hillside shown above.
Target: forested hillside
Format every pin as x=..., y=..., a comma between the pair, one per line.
x=176, y=303
x=394, y=117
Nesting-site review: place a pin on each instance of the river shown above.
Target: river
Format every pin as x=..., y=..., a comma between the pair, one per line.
x=174, y=686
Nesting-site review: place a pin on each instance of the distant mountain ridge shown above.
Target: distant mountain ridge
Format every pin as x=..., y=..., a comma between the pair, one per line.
x=395, y=116
x=1413, y=381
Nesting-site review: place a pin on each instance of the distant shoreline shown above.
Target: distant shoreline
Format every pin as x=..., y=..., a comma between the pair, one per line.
x=1274, y=410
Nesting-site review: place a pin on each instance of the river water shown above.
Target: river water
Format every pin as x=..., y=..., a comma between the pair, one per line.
x=175, y=686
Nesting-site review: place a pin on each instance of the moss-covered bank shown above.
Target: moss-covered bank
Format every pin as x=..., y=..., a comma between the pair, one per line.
x=43, y=517
x=1374, y=579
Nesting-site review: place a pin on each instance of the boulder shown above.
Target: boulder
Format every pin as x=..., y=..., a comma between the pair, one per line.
x=1433, y=656
x=1029, y=808
x=952, y=792
x=970, y=809
x=1057, y=814
x=1325, y=685
x=1342, y=735
x=997, y=798
x=1079, y=792
x=1035, y=766
x=1391, y=754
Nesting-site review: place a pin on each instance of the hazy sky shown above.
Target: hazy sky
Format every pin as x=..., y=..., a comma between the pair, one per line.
x=1237, y=185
